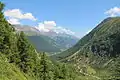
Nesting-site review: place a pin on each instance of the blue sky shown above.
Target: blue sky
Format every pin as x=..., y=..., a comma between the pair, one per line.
x=79, y=16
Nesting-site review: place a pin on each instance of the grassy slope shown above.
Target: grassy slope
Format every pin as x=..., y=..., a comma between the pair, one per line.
x=10, y=71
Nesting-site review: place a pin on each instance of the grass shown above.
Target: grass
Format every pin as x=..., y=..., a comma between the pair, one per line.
x=9, y=71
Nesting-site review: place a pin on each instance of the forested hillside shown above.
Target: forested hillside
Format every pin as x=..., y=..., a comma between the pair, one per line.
x=20, y=61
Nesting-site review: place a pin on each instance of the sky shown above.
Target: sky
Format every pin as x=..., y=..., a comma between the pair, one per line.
x=76, y=17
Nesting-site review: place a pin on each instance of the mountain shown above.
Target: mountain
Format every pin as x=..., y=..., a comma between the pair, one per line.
x=44, y=43
x=99, y=49
x=96, y=56
x=19, y=60
x=100, y=34
x=28, y=30
x=65, y=41
x=50, y=41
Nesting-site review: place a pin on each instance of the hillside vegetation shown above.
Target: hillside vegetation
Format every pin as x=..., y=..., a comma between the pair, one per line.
x=102, y=38
x=19, y=60
x=100, y=50
x=95, y=57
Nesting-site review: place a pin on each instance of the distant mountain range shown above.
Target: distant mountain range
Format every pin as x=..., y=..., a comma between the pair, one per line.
x=47, y=41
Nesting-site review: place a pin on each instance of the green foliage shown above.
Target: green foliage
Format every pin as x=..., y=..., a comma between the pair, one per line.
x=44, y=68
x=1, y=6
x=26, y=54
x=115, y=69
x=98, y=49
x=20, y=61
x=10, y=71
x=103, y=40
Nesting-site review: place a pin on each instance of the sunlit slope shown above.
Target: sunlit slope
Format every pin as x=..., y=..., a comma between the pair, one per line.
x=102, y=40
x=10, y=71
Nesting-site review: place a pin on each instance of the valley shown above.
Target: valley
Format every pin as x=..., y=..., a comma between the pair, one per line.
x=50, y=42
x=29, y=54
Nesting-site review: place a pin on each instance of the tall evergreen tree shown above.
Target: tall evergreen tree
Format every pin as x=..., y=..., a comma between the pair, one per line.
x=44, y=70
x=8, y=37
x=27, y=53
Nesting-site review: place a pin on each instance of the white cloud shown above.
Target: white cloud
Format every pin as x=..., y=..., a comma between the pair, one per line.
x=63, y=30
x=113, y=12
x=41, y=27
x=13, y=21
x=17, y=13
x=47, y=26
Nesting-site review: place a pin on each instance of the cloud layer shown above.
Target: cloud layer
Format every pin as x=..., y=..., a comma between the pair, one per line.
x=17, y=13
x=13, y=21
x=113, y=12
x=48, y=26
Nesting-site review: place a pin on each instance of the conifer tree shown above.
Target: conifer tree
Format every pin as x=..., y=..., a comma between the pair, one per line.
x=8, y=38
x=26, y=53
x=44, y=68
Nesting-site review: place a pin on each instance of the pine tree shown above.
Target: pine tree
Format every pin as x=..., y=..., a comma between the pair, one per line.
x=1, y=6
x=45, y=72
x=27, y=54
x=43, y=67
x=8, y=38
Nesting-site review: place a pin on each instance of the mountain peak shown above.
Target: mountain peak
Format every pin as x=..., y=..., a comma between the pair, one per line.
x=103, y=40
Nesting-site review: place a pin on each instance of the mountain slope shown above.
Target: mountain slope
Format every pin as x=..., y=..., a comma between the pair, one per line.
x=44, y=43
x=101, y=35
x=65, y=41
x=50, y=41
x=100, y=50
x=19, y=60
x=10, y=71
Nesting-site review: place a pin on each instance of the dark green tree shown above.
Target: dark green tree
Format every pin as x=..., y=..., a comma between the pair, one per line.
x=8, y=38
x=27, y=54
x=44, y=68
x=1, y=6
